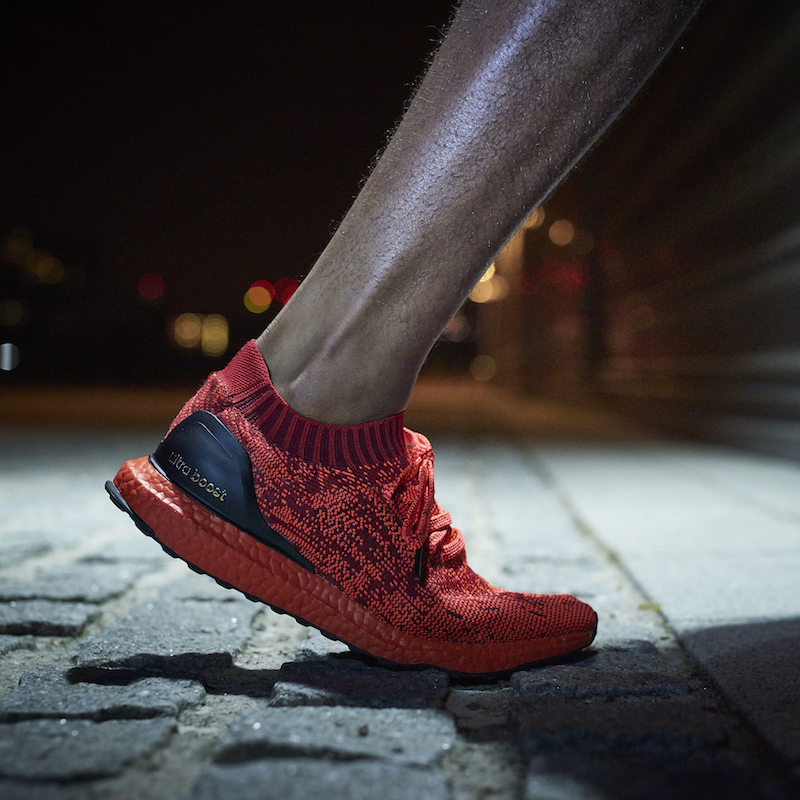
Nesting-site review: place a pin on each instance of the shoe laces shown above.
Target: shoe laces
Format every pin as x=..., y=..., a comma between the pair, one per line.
x=425, y=523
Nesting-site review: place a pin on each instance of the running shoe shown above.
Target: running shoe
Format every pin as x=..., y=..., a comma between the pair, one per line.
x=337, y=526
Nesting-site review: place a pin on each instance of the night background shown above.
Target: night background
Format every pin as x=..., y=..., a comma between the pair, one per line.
x=211, y=145
x=161, y=164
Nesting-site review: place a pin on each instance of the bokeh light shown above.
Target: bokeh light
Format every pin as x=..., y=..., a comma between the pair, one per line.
x=19, y=244
x=151, y=286
x=561, y=232
x=187, y=330
x=208, y=332
x=535, y=218
x=482, y=293
x=259, y=296
x=483, y=368
x=44, y=266
x=11, y=313
x=285, y=288
x=214, y=335
x=38, y=263
x=458, y=329
x=9, y=356
x=490, y=287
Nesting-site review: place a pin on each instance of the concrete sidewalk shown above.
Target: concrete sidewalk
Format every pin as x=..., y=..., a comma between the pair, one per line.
x=124, y=675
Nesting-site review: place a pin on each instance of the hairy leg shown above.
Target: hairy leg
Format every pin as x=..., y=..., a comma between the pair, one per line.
x=518, y=91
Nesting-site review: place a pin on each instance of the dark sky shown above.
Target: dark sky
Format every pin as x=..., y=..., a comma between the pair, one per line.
x=214, y=143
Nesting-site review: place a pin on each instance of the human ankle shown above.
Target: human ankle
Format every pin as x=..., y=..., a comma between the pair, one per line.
x=335, y=389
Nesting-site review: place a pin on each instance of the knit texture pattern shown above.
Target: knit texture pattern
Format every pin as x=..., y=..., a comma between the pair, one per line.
x=358, y=502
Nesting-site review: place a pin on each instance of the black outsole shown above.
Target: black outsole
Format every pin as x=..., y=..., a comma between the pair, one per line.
x=119, y=501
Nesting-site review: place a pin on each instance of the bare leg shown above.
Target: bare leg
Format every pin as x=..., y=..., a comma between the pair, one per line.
x=517, y=93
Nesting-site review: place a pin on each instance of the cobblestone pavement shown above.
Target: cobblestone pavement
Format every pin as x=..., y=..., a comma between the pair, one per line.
x=125, y=675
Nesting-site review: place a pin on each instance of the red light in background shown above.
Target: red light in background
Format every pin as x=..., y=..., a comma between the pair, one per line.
x=260, y=295
x=285, y=288
x=571, y=278
x=151, y=286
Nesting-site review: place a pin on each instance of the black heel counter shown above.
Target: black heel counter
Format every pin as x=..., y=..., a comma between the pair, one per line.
x=208, y=463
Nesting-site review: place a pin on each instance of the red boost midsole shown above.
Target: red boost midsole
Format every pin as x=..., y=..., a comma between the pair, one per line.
x=223, y=551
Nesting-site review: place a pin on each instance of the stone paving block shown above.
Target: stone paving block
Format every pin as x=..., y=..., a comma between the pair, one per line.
x=317, y=647
x=595, y=777
x=757, y=667
x=306, y=779
x=477, y=707
x=404, y=736
x=639, y=670
x=625, y=617
x=48, y=525
x=511, y=487
x=638, y=503
x=722, y=587
x=576, y=683
x=48, y=749
x=635, y=655
x=200, y=634
x=50, y=693
x=130, y=545
x=28, y=790
x=585, y=578
x=78, y=582
x=13, y=551
x=770, y=482
x=350, y=682
x=553, y=785
x=10, y=643
x=667, y=727
x=201, y=587
x=46, y=617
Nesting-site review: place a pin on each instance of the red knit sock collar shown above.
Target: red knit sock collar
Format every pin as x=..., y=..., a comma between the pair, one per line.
x=341, y=446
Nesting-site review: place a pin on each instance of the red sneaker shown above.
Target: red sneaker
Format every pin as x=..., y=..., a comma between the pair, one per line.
x=335, y=525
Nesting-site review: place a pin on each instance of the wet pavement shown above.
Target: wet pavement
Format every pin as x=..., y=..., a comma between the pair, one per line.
x=125, y=675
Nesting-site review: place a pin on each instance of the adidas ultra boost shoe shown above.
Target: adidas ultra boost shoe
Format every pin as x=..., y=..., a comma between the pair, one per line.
x=335, y=525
